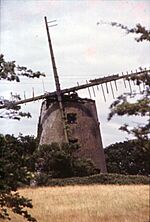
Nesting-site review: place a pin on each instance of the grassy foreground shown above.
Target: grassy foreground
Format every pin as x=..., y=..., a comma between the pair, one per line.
x=89, y=203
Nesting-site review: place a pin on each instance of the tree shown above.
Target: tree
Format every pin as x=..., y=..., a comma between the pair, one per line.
x=127, y=157
x=141, y=107
x=12, y=72
x=136, y=104
x=22, y=160
x=15, y=170
x=14, y=152
x=144, y=34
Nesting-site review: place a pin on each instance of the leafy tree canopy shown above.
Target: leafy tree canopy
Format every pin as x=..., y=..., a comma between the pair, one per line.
x=15, y=167
x=140, y=104
x=127, y=157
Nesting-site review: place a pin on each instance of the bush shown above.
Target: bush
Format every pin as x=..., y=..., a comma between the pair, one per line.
x=83, y=167
x=58, y=161
x=100, y=179
x=127, y=157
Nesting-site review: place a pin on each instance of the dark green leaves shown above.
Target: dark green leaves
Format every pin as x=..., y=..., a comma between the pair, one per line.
x=15, y=167
x=129, y=157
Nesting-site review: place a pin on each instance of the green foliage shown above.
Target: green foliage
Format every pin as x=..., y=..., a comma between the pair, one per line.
x=83, y=167
x=15, y=167
x=132, y=157
x=15, y=153
x=121, y=107
x=135, y=105
x=128, y=157
x=100, y=179
x=59, y=161
x=11, y=72
x=16, y=203
x=54, y=160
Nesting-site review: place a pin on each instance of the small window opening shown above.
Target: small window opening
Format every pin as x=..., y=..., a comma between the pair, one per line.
x=73, y=140
x=71, y=118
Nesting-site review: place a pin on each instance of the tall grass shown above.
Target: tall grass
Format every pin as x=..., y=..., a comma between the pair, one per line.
x=94, y=203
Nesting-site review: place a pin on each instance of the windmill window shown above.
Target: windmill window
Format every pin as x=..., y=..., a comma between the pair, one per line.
x=71, y=118
x=73, y=140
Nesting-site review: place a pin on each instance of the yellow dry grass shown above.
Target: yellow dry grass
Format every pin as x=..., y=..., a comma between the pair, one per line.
x=94, y=203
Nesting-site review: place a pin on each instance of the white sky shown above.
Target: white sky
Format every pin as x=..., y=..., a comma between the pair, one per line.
x=83, y=51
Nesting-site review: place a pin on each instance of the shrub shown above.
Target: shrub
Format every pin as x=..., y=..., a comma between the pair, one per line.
x=58, y=161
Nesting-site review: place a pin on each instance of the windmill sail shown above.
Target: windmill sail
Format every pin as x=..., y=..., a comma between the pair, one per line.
x=94, y=82
x=56, y=77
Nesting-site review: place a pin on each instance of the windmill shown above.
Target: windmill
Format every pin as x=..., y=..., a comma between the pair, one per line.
x=65, y=117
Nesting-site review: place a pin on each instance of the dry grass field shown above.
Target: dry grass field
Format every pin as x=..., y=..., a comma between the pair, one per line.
x=94, y=203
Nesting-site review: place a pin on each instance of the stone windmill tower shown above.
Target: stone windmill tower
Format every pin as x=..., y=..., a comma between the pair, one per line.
x=71, y=119
x=65, y=117
x=82, y=127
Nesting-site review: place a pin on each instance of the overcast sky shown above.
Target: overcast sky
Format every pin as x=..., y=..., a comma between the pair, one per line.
x=83, y=51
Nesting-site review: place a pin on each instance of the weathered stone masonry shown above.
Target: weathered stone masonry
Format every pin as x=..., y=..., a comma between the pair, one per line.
x=83, y=125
